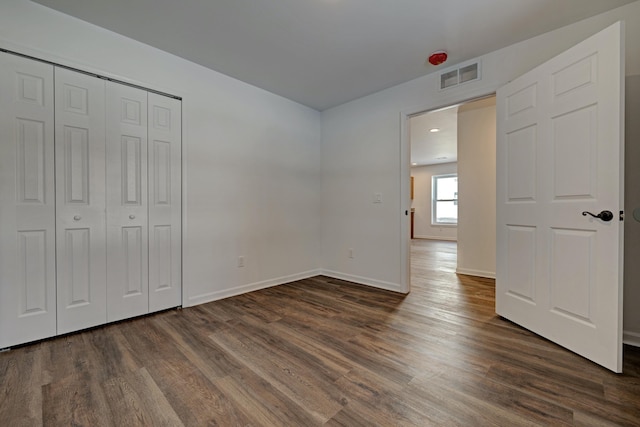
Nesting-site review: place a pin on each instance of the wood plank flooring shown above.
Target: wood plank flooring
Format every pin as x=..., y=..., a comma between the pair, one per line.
x=320, y=352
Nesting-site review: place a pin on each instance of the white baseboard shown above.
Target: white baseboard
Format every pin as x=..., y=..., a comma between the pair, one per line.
x=449, y=239
x=631, y=338
x=250, y=287
x=395, y=287
x=480, y=273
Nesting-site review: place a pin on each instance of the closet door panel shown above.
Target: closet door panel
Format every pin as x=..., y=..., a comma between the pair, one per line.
x=27, y=202
x=80, y=200
x=127, y=205
x=165, y=253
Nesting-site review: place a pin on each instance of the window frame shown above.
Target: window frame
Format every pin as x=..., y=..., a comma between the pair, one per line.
x=434, y=200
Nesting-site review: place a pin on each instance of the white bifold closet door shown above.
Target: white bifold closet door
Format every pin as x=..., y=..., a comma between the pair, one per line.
x=127, y=206
x=80, y=200
x=90, y=201
x=165, y=201
x=27, y=201
x=143, y=202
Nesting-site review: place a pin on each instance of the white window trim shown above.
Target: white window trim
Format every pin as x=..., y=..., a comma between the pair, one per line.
x=434, y=180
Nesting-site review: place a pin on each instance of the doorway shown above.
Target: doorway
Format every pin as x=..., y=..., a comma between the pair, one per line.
x=456, y=141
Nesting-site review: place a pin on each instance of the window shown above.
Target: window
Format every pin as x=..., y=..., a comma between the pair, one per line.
x=444, y=209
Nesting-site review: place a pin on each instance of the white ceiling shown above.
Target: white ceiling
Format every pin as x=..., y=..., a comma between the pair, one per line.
x=428, y=148
x=323, y=53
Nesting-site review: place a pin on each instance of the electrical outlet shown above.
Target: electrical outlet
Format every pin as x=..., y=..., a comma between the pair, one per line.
x=350, y=252
x=241, y=261
x=377, y=197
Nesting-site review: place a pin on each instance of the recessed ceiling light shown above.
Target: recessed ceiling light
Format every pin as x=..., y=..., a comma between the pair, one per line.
x=441, y=158
x=414, y=164
x=434, y=130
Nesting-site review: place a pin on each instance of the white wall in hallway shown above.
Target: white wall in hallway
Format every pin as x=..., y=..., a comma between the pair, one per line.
x=477, y=188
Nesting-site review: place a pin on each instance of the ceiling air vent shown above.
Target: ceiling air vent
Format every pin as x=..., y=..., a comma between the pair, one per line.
x=462, y=74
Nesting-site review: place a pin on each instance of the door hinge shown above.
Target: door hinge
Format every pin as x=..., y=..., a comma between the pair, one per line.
x=621, y=215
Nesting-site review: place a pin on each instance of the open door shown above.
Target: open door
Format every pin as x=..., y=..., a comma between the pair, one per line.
x=560, y=157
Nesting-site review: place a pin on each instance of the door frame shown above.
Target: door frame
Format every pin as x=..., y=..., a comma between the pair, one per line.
x=457, y=97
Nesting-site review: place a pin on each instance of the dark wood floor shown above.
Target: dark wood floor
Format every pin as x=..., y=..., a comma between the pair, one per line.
x=320, y=352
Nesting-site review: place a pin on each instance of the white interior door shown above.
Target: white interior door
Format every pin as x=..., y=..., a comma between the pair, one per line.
x=165, y=201
x=80, y=200
x=559, y=154
x=127, y=238
x=27, y=201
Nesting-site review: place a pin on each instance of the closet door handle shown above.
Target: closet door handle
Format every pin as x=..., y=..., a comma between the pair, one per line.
x=77, y=218
x=132, y=216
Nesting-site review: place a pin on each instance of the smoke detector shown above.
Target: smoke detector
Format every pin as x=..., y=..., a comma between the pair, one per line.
x=438, y=57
